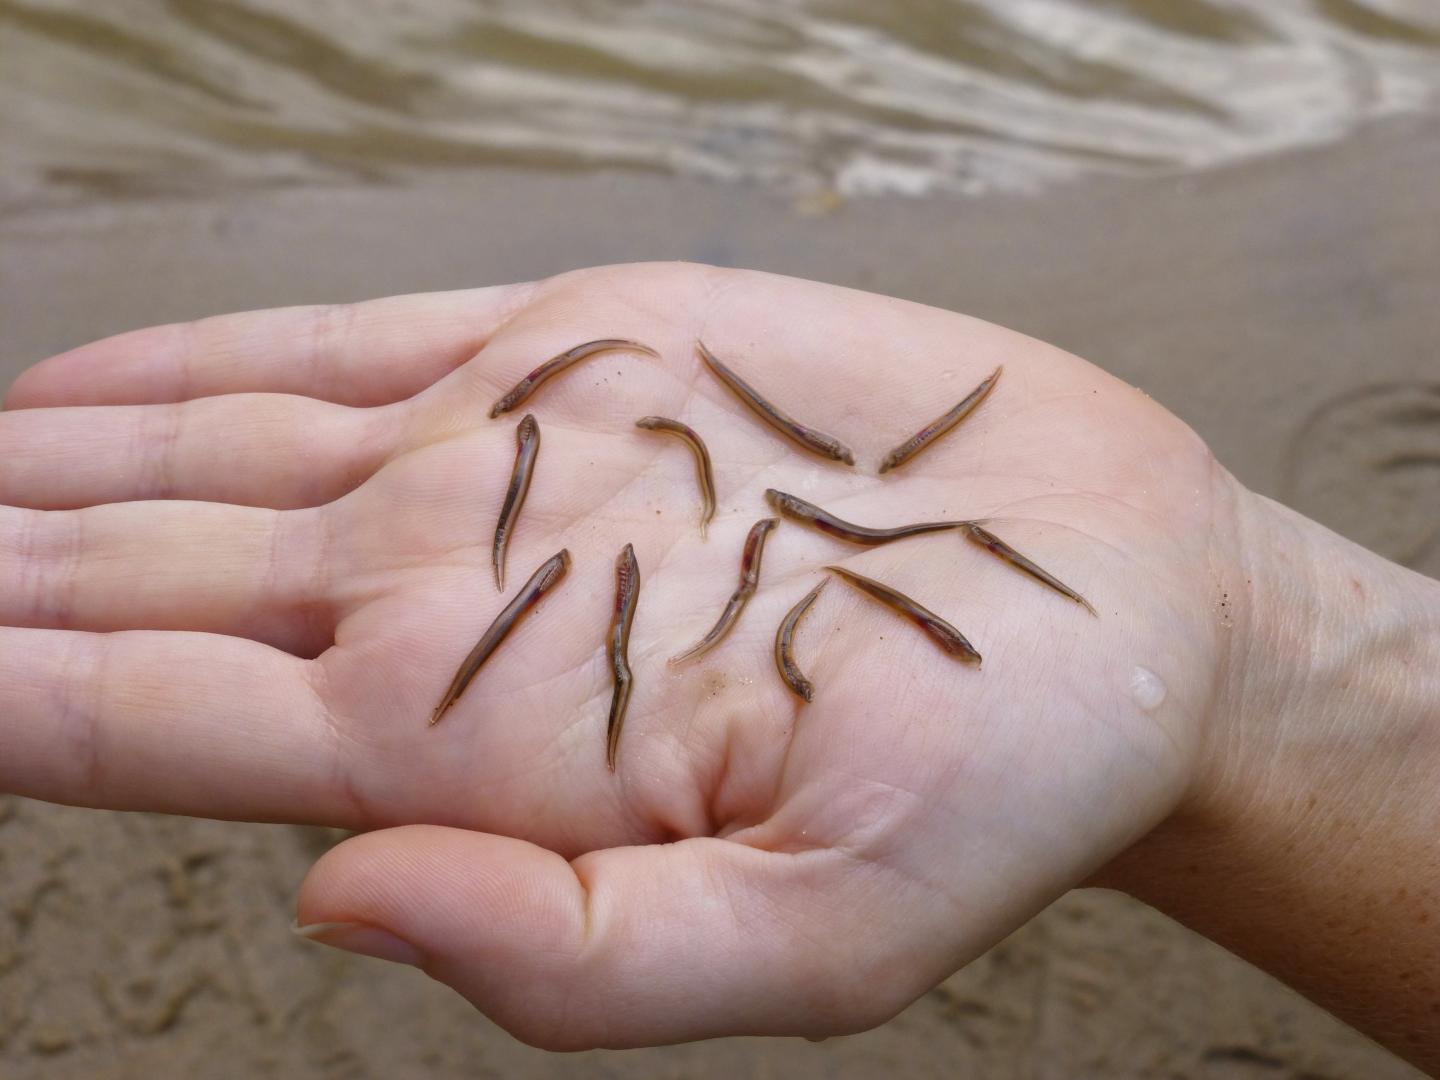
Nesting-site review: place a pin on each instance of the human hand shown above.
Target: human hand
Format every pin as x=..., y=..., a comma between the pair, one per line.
x=284, y=622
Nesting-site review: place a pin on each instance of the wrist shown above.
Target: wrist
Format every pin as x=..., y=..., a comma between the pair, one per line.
x=1330, y=679
x=1307, y=840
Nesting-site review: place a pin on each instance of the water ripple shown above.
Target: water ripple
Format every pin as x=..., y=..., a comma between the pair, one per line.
x=848, y=97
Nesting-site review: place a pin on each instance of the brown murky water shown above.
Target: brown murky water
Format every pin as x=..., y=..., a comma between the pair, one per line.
x=854, y=97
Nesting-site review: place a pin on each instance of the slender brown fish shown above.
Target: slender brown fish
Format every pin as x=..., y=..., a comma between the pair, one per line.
x=627, y=593
x=817, y=441
x=792, y=506
x=950, y=639
x=985, y=538
x=749, y=581
x=936, y=428
x=556, y=364
x=704, y=475
x=527, y=448
x=549, y=575
x=784, y=642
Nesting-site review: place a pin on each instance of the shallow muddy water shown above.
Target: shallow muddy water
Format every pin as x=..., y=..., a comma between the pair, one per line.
x=825, y=98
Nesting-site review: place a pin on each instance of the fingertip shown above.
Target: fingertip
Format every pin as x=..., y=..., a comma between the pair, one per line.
x=117, y=370
x=443, y=889
x=363, y=940
x=24, y=393
x=499, y=920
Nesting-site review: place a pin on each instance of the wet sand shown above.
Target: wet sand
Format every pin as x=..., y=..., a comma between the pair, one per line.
x=1285, y=308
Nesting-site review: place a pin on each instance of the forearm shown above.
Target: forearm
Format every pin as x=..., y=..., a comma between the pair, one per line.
x=1310, y=842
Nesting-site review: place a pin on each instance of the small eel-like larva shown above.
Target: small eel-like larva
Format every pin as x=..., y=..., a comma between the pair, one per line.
x=556, y=364
x=749, y=581
x=627, y=593
x=792, y=506
x=936, y=428
x=549, y=575
x=950, y=639
x=527, y=447
x=784, y=641
x=985, y=538
x=704, y=475
x=816, y=441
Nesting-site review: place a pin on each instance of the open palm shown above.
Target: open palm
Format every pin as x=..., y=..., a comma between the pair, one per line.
x=242, y=559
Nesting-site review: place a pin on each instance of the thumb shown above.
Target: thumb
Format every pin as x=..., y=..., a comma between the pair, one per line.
x=629, y=946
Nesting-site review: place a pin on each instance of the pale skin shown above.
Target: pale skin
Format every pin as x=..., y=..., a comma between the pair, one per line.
x=240, y=559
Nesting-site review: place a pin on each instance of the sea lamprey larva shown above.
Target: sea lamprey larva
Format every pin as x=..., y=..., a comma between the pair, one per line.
x=950, y=639
x=798, y=509
x=815, y=441
x=790, y=671
x=556, y=364
x=551, y=571
x=704, y=474
x=527, y=448
x=932, y=431
x=986, y=539
x=749, y=582
x=617, y=647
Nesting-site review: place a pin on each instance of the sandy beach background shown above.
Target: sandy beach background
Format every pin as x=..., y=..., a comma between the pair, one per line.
x=1284, y=305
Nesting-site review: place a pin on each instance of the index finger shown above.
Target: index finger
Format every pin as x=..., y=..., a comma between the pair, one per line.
x=371, y=353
